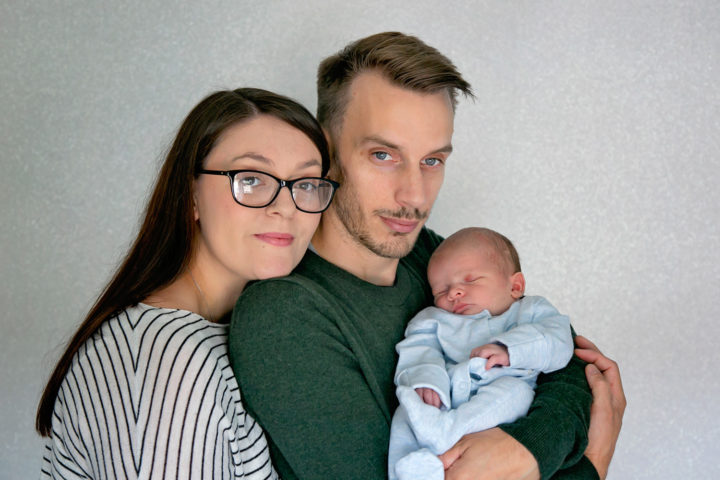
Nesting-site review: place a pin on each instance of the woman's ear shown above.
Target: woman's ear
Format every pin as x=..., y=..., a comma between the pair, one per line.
x=517, y=281
x=196, y=213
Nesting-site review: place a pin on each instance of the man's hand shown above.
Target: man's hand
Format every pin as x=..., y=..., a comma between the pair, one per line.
x=608, y=405
x=494, y=353
x=490, y=454
x=429, y=396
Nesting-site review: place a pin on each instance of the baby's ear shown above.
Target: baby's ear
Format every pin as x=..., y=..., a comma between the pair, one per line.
x=517, y=281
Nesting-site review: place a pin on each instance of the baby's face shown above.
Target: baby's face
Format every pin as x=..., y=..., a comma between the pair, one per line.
x=468, y=280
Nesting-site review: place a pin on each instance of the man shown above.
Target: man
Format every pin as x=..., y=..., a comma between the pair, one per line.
x=314, y=352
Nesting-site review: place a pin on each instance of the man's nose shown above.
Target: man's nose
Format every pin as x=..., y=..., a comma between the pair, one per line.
x=411, y=191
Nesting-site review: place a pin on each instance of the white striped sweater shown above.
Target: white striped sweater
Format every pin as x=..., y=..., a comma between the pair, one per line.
x=151, y=395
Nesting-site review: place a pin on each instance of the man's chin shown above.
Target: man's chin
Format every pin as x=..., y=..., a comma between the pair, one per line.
x=398, y=246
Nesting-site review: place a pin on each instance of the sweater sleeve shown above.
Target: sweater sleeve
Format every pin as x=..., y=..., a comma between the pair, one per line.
x=555, y=428
x=284, y=348
x=582, y=470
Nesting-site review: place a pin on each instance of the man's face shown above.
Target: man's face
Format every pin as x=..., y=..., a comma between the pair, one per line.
x=391, y=151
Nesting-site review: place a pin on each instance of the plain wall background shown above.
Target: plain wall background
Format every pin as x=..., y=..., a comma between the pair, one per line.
x=594, y=144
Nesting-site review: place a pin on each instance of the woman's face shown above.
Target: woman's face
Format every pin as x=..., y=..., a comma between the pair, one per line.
x=254, y=243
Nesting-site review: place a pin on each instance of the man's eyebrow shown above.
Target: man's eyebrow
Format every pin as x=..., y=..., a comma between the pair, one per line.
x=446, y=149
x=386, y=143
x=379, y=140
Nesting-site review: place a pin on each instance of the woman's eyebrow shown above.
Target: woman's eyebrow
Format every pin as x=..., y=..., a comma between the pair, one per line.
x=254, y=156
x=314, y=162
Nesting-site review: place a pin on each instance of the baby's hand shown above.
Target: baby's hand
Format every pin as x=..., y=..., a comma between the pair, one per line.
x=494, y=354
x=429, y=396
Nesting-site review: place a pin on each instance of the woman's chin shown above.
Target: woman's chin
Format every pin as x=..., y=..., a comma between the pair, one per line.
x=275, y=270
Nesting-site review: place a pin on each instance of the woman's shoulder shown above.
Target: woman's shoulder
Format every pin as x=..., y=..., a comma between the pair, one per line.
x=159, y=370
x=143, y=350
x=143, y=338
x=142, y=323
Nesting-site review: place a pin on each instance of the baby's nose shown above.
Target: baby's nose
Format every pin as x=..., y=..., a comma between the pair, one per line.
x=456, y=292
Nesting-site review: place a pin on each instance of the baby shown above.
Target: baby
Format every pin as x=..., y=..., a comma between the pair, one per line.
x=470, y=363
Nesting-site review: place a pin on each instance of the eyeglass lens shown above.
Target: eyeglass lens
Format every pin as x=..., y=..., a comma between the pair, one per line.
x=256, y=189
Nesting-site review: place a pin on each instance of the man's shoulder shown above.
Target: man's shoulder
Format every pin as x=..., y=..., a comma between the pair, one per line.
x=428, y=240
x=425, y=245
x=315, y=282
x=310, y=283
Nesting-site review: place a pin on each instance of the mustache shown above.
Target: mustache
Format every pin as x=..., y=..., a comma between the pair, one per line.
x=403, y=213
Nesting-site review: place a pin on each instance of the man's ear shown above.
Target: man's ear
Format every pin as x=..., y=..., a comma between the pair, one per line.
x=330, y=143
x=517, y=281
x=328, y=137
x=334, y=172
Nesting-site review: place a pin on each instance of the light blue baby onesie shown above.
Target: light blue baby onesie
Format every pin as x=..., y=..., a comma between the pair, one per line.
x=436, y=354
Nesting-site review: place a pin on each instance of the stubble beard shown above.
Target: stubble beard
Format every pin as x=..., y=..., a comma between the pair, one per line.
x=348, y=210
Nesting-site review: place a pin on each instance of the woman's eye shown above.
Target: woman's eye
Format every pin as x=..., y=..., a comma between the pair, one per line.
x=307, y=186
x=250, y=181
x=383, y=156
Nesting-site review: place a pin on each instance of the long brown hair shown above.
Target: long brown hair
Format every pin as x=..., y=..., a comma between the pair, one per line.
x=165, y=242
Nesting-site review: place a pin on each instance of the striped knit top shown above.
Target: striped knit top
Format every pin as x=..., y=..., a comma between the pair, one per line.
x=151, y=395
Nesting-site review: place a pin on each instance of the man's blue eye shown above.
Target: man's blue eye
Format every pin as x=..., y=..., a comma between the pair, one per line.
x=431, y=162
x=382, y=155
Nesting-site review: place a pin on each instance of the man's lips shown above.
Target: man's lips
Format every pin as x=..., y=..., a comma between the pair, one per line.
x=276, y=239
x=400, y=225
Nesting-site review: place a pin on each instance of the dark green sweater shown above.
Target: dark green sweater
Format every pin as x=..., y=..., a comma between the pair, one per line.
x=314, y=354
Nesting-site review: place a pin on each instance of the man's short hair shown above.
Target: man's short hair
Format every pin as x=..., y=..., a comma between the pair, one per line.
x=403, y=59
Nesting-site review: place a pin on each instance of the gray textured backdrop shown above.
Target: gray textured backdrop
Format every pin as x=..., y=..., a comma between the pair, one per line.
x=594, y=144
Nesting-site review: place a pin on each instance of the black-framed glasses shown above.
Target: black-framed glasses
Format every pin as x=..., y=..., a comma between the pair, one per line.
x=256, y=189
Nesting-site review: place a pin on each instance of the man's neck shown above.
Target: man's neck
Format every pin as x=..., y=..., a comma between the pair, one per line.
x=333, y=243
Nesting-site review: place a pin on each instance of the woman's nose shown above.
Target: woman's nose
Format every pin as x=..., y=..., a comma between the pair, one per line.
x=283, y=203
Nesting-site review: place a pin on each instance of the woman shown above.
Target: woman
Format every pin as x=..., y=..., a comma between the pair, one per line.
x=144, y=388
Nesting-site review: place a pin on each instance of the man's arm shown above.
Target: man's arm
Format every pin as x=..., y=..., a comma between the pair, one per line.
x=553, y=434
x=301, y=380
x=608, y=405
x=555, y=428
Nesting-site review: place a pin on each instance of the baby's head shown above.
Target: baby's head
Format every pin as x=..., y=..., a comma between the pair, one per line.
x=475, y=269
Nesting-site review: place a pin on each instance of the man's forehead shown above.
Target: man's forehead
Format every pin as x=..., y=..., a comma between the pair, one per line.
x=380, y=111
x=374, y=86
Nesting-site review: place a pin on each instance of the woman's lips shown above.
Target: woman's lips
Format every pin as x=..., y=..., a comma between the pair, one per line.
x=276, y=239
x=400, y=225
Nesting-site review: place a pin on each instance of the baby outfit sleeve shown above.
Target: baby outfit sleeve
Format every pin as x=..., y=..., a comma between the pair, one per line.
x=538, y=336
x=421, y=362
